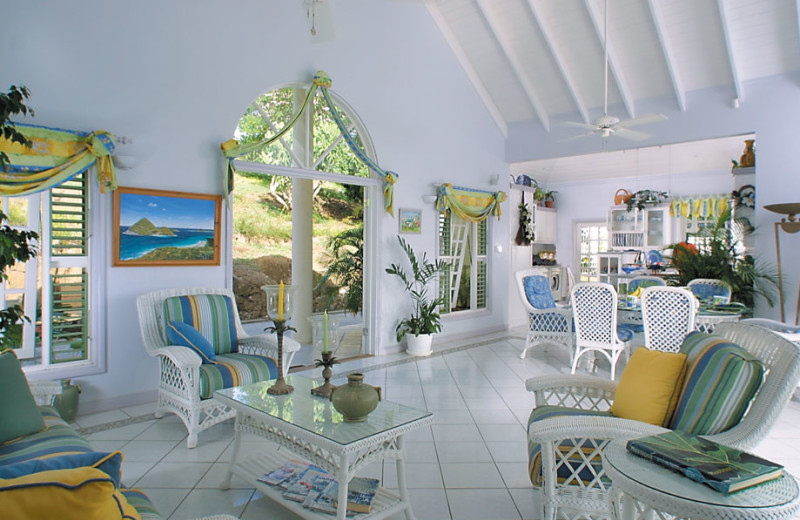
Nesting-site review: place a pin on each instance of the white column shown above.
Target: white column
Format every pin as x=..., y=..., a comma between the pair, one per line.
x=302, y=224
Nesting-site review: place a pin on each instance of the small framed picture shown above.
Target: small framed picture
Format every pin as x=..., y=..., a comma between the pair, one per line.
x=410, y=220
x=163, y=228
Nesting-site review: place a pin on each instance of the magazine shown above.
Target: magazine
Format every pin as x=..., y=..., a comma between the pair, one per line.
x=723, y=468
x=302, y=486
x=360, y=494
x=297, y=475
x=283, y=473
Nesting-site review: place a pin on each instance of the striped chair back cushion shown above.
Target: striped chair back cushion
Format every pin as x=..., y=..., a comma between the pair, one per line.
x=721, y=380
x=213, y=315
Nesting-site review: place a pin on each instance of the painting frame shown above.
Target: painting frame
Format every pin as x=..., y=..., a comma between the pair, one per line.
x=200, y=212
x=410, y=220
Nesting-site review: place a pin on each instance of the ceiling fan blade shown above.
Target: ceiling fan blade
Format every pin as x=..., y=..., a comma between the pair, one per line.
x=643, y=120
x=577, y=125
x=633, y=135
x=579, y=136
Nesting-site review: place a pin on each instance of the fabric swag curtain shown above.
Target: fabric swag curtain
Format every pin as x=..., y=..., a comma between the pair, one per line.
x=470, y=205
x=700, y=206
x=55, y=156
x=232, y=149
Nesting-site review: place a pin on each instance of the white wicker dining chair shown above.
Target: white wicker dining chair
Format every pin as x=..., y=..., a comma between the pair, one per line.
x=669, y=315
x=547, y=323
x=585, y=495
x=594, y=309
x=706, y=288
x=179, y=379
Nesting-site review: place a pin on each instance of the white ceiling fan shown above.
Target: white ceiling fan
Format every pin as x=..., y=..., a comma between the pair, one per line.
x=607, y=125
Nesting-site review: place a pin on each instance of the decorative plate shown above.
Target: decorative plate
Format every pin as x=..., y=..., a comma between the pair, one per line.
x=654, y=257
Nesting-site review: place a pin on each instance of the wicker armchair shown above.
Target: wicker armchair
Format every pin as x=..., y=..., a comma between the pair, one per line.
x=668, y=314
x=586, y=435
x=547, y=324
x=179, y=389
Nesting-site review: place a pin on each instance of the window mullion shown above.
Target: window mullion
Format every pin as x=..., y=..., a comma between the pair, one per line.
x=45, y=255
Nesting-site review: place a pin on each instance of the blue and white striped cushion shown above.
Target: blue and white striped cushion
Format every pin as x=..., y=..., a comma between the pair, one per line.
x=211, y=314
x=535, y=449
x=721, y=380
x=235, y=370
x=58, y=438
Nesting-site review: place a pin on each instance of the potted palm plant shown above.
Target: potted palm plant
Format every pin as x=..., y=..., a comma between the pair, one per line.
x=425, y=319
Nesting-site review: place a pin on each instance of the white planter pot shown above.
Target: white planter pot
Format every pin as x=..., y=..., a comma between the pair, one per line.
x=419, y=345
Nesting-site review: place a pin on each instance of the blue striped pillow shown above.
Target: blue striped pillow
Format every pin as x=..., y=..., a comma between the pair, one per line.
x=211, y=314
x=721, y=380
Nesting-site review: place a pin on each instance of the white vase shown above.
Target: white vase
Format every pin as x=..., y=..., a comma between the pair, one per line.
x=419, y=345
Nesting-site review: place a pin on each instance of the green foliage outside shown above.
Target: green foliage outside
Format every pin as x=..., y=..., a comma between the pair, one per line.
x=262, y=203
x=11, y=104
x=15, y=246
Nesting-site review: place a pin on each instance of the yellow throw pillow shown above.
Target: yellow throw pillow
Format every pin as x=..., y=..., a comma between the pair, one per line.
x=649, y=386
x=82, y=493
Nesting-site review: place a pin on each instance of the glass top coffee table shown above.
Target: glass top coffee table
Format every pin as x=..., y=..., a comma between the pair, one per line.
x=307, y=426
x=643, y=489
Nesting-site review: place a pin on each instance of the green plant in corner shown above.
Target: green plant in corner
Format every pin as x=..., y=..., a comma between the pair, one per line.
x=425, y=318
x=11, y=103
x=720, y=256
x=15, y=246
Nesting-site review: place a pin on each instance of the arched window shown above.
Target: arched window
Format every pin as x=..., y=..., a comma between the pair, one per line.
x=300, y=201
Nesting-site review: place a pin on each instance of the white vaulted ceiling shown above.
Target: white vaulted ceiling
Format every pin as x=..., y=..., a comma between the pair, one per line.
x=542, y=60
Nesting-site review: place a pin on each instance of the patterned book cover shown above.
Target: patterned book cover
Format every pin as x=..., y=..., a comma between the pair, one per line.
x=721, y=467
x=318, y=485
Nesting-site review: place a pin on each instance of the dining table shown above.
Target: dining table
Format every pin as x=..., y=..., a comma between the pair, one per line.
x=708, y=315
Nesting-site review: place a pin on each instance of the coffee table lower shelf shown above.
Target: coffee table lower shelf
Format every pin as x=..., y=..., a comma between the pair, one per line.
x=385, y=505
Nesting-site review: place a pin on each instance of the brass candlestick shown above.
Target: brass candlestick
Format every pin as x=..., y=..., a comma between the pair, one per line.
x=280, y=387
x=327, y=361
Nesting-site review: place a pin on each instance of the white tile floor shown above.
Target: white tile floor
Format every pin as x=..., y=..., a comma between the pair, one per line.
x=470, y=464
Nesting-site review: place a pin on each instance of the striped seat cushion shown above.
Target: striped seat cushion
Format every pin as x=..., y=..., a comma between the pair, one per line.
x=141, y=502
x=721, y=380
x=576, y=461
x=212, y=315
x=58, y=438
x=235, y=370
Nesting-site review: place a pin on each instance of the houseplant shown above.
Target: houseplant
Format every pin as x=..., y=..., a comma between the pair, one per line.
x=425, y=319
x=720, y=256
x=549, y=198
x=644, y=197
x=15, y=245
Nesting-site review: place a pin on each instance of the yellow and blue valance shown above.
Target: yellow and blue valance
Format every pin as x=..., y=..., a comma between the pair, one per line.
x=322, y=82
x=700, y=206
x=471, y=205
x=55, y=156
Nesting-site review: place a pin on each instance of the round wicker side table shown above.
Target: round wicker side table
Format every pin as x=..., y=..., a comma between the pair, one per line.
x=641, y=489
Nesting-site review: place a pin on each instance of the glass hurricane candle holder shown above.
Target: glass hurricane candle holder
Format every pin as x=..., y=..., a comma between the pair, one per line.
x=280, y=303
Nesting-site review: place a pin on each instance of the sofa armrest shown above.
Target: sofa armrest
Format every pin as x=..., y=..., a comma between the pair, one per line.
x=181, y=357
x=574, y=391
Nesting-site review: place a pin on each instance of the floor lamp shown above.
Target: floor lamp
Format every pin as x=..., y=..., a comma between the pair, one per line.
x=789, y=224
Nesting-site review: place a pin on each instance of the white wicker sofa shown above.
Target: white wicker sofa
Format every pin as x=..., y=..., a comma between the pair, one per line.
x=182, y=380
x=580, y=430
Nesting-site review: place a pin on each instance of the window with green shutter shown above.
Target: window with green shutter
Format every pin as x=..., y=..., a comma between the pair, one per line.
x=55, y=286
x=464, y=246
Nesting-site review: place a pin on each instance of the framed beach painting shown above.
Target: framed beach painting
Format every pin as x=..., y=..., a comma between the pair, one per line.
x=410, y=220
x=162, y=228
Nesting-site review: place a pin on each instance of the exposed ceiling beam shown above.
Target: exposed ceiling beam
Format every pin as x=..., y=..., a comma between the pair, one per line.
x=677, y=84
x=461, y=56
x=514, y=61
x=622, y=85
x=737, y=83
x=560, y=62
